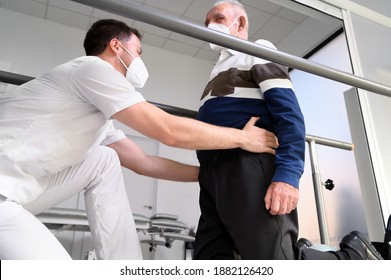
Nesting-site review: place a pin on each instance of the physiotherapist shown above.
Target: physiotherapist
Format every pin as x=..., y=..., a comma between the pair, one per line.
x=57, y=139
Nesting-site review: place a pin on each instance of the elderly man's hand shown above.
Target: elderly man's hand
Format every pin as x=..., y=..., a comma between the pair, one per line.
x=281, y=198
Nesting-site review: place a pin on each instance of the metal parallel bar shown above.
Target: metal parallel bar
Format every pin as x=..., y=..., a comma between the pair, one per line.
x=16, y=79
x=176, y=110
x=13, y=79
x=173, y=23
x=329, y=142
x=319, y=200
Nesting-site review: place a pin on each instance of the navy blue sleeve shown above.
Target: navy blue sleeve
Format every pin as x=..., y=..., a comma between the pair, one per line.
x=289, y=125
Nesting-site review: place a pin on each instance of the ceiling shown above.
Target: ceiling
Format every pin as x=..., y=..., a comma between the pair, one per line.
x=293, y=28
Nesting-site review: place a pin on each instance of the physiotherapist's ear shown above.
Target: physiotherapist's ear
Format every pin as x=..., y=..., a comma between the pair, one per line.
x=115, y=45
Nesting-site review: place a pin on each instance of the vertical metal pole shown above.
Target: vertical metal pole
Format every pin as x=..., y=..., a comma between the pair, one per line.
x=322, y=221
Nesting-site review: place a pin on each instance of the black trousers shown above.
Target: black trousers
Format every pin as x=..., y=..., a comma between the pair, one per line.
x=233, y=216
x=234, y=221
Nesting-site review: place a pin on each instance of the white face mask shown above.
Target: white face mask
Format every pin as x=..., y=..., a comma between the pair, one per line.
x=136, y=73
x=222, y=28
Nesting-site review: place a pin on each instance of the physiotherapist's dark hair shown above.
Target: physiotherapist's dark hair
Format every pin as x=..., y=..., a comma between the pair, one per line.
x=101, y=33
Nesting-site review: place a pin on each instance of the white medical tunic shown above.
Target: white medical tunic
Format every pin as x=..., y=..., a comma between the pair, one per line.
x=54, y=121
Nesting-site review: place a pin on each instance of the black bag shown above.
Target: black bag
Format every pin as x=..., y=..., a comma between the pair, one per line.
x=384, y=248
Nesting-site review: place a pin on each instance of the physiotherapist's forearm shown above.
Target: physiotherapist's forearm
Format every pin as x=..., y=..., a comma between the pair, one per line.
x=133, y=157
x=163, y=168
x=191, y=134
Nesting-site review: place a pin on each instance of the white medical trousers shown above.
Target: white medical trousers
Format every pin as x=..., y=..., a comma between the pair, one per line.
x=113, y=230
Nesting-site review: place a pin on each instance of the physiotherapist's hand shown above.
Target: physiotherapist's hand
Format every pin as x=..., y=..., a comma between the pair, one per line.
x=259, y=140
x=281, y=198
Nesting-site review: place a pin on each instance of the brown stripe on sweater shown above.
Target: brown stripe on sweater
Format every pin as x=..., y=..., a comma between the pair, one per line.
x=226, y=81
x=268, y=71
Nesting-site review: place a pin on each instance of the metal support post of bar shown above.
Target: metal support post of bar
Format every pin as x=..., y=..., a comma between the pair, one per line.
x=174, y=23
x=322, y=220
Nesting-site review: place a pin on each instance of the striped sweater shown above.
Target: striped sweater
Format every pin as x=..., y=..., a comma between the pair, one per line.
x=242, y=86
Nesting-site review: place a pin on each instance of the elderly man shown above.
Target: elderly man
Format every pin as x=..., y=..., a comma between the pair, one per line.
x=234, y=183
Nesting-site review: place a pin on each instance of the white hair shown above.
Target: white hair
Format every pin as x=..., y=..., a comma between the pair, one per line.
x=232, y=2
